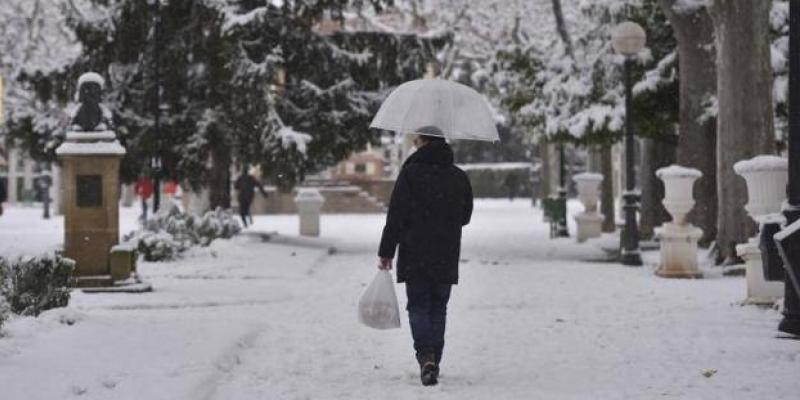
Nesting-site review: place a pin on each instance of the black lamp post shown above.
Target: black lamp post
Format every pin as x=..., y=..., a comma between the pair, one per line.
x=45, y=182
x=155, y=162
x=628, y=39
x=561, y=226
x=791, y=245
x=155, y=169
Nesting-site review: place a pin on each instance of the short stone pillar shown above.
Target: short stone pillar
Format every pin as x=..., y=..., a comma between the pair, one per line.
x=123, y=261
x=90, y=159
x=678, y=238
x=309, y=203
x=766, y=178
x=589, y=222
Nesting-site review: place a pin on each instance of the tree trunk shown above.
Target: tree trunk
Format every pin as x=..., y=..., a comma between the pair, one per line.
x=745, y=125
x=655, y=154
x=607, y=189
x=219, y=183
x=694, y=32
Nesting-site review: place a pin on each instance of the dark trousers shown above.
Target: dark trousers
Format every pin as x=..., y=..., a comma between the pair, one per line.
x=427, y=312
x=244, y=211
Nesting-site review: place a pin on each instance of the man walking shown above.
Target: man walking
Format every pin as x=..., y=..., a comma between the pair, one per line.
x=431, y=201
x=246, y=186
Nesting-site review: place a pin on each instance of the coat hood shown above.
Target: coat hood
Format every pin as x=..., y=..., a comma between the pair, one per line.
x=436, y=153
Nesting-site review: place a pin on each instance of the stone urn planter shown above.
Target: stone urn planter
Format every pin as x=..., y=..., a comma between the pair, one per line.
x=589, y=222
x=309, y=203
x=766, y=177
x=678, y=238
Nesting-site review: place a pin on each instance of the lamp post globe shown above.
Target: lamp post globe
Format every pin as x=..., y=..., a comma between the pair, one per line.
x=628, y=39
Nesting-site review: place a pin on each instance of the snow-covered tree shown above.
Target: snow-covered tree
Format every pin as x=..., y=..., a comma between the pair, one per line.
x=34, y=42
x=249, y=82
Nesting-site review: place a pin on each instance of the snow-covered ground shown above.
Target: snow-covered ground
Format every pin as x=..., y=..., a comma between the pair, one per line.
x=255, y=319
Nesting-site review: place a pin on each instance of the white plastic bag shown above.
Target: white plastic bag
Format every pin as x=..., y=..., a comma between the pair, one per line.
x=377, y=307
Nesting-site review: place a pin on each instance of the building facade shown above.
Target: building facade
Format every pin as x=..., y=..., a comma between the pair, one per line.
x=25, y=179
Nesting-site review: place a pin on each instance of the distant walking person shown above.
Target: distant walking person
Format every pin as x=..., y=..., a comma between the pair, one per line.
x=431, y=201
x=511, y=183
x=144, y=189
x=246, y=186
x=3, y=195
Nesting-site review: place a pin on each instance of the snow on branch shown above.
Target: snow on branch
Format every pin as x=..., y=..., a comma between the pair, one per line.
x=689, y=6
x=287, y=135
x=318, y=91
x=711, y=104
x=233, y=20
x=360, y=58
x=662, y=74
x=290, y=136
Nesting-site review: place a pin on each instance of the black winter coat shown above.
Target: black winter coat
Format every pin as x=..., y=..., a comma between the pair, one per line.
x=246, y=186
x=431, y=201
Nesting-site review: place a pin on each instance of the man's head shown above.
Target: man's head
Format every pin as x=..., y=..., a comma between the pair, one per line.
x=427, y=134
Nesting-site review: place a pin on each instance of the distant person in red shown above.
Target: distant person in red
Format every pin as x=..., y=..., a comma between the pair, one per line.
x=171, y=188
x=144, y=189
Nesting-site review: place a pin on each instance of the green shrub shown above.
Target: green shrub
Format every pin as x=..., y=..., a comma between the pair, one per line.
x=31, y=285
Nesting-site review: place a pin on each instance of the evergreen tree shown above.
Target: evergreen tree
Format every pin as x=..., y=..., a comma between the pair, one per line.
x=246, y=82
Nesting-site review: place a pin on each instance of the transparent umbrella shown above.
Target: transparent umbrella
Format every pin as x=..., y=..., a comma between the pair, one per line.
x=458, y=110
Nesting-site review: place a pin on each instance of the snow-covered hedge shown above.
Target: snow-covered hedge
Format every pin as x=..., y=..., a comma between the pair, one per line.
x=31, y=285
x=156, y=246
x=172, y=231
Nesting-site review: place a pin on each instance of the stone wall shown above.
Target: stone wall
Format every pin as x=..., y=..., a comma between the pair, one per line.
x=338, y=200
x=380, y=189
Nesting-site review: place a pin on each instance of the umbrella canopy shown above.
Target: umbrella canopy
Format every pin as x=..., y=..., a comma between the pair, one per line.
x=457, y=110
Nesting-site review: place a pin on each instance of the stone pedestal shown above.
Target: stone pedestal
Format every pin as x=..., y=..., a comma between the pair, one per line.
x=759, y=290
x=678, y=239
x=309, y=205
x=590, y=225
x=766, y=178
x=678, y=251
x=90, y=175
x=589, y=222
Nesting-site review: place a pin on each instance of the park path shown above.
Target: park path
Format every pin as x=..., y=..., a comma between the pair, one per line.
x=249, y=319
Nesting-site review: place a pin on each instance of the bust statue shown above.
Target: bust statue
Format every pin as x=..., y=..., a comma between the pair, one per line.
x=90, y=116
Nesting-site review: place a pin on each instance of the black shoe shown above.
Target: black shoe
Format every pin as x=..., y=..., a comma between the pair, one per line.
x=790, y=325
x=429, y=374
